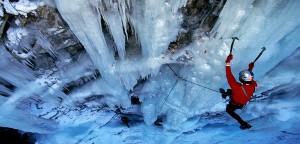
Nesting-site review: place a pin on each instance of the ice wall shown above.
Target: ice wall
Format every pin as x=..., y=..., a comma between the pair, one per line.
x=12, y=70
x=17, y=84
x=18, y=119
x=270, y=24
x=154, y=23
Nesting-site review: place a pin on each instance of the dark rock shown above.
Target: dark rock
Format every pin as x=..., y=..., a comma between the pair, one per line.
x=135, y=100
x=13, y=136
x=198, y=14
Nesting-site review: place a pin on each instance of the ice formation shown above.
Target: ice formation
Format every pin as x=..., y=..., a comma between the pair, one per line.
x=116, y=67
x=155, y=24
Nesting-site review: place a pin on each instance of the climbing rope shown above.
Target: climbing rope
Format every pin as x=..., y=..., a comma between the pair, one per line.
x=255, y=97
x=169, y=94
x=200, y=85
x=191, y=81
x=178, y=77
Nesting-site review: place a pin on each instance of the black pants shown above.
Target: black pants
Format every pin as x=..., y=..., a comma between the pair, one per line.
x=231, y=107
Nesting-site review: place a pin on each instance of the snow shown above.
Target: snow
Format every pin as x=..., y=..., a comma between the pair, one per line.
x=22, y=7
x=15, y=35
x=91, y=113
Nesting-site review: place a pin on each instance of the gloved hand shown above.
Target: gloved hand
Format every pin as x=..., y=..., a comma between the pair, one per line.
x=229, y=58
x=222, y=91
x=251, y=66
x=225, y=94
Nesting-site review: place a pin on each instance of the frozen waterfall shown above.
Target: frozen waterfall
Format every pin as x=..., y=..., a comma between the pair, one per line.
x=156, y=23
x=125, y=54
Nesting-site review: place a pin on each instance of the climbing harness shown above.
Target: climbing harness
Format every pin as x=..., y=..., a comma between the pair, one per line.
x=245, y=92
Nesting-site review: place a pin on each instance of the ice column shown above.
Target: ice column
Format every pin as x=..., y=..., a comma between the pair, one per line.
x=155, y=23
x=86, y=24
x=113, y=13
x=12, y=70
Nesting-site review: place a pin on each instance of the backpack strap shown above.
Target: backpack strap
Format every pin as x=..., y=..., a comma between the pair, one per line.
x=245, y=92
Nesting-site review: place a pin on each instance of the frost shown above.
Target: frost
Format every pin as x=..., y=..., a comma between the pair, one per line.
x=21, y=7
x=16, y=34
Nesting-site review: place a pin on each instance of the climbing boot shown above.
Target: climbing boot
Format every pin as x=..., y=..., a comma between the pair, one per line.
x=245, y=126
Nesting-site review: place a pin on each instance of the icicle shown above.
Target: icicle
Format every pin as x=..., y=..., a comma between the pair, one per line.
x=153, y=23
x=122, y=11
x=41, y=40
x=88, y=30
x=25, y=49
x=28, y=62
x=115, y=20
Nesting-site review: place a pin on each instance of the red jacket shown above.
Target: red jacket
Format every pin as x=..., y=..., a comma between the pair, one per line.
x=237, y=93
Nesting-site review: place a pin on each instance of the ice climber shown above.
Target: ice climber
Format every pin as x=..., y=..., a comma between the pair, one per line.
x=240, y=93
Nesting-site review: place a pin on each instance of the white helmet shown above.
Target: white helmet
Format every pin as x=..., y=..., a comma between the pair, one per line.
x=246, y=76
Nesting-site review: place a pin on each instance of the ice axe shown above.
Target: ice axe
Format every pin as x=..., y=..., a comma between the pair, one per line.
x=263, y=49
x=233, y=39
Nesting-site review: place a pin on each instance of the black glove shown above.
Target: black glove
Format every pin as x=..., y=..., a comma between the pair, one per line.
x=225, y=94
x=229, y=92
x=222, y=91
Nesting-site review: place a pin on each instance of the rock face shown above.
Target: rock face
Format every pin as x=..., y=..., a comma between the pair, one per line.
x=14, y=136
x=199, y=18
x=46, y=25
x=40, y=34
